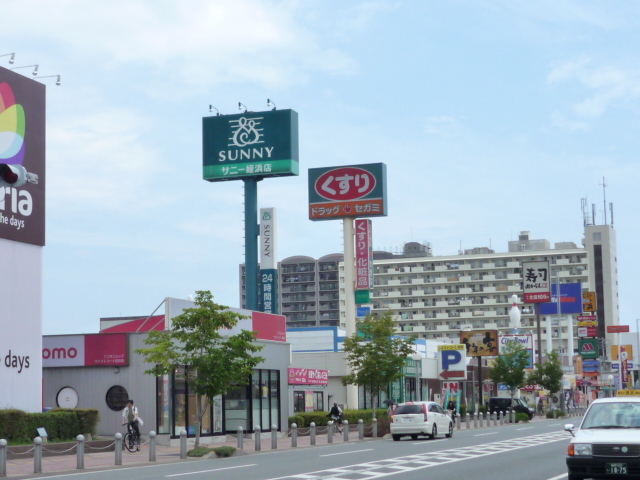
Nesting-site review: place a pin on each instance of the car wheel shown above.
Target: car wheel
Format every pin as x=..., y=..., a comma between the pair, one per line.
x=434, y=431
x=450, y=434
x=414, y=437
x=395, y=437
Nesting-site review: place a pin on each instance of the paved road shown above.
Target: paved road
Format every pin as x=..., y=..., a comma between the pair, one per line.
x=533, y=451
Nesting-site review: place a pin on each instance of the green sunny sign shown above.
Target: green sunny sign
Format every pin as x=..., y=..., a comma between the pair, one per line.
x=250, y=144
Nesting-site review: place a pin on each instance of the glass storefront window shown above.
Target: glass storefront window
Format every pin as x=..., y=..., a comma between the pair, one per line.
x=180, y=401
x=298, y=401
x=237, y=409
x=274, y=397
x=256, y=395
x=164, y=404
x=264, y=400
x=217, y=414
x=245, y=406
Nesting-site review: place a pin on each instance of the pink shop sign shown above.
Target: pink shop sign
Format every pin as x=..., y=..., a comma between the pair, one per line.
x=308, y=376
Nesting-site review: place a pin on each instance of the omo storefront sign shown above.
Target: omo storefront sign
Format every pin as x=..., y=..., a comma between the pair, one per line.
x=96, y=350
x=250, y=144
x=348, y=191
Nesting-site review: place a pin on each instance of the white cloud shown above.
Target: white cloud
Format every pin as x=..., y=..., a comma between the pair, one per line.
x=605, y=87
x=96, y=161
x=444, y=126
x=198, y=42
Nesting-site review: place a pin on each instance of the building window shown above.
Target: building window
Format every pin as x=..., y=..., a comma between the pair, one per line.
x=298, y=401
x=597, y=236
x=117, y=398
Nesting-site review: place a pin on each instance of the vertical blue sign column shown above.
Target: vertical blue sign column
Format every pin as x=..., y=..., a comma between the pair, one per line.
x=268, y=261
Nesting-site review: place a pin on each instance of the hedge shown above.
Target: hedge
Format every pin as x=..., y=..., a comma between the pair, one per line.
x=304, y=419
x=60, y=424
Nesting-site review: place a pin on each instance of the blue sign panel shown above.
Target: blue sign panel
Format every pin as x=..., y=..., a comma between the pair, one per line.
x=268, y=301
x=363, y=311
x=570, y=300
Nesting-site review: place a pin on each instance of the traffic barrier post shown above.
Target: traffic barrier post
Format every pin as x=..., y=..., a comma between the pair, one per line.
x=257, y=438
x=80, y=452
x=152, y=446
x=3, y=457
x=294, y=435
x=118, y=448
x=183, y=444
x=37, y=455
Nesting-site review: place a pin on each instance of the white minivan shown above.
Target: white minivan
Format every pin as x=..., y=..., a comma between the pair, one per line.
x=420, y=418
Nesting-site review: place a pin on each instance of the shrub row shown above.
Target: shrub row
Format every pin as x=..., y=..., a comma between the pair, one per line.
x=304, y=419
x=60, y=424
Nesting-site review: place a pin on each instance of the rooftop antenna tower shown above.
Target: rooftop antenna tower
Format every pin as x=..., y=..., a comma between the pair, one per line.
x=604, y=199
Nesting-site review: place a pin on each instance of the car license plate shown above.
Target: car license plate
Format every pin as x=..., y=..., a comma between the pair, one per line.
x=613, y=468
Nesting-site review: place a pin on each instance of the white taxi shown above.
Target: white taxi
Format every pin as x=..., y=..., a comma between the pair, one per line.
x=607, y=442
x=420, y=418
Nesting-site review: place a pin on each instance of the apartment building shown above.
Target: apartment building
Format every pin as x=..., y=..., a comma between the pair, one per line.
x=309, y=289
x=437, y=297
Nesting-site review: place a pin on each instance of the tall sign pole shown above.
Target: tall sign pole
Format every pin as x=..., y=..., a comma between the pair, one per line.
x=250, y=146
x=350, y=296
x=251, y=233
x=345, y=193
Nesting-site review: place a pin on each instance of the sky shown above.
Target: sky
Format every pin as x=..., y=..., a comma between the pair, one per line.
x=492, y=116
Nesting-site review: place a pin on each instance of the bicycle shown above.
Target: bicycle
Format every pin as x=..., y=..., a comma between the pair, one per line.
x=337, y=423
x=131, y=440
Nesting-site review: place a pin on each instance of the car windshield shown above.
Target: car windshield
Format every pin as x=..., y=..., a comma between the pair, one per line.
x=404, y=409
x=613, y=415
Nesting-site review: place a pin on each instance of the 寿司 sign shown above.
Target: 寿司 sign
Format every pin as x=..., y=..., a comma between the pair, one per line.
x=536, y=284
x=307, y=376
x=348, y=191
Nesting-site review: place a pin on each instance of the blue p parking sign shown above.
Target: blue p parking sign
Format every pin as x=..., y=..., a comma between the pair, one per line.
x=451, y=358
x=452, y=361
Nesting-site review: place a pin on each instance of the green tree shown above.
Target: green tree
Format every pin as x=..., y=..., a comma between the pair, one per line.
x=548, y=375
x=509, y=367
x=215, y=363
x=375, y=355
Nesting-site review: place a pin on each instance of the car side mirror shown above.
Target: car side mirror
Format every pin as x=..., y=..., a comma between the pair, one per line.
x=569, y=427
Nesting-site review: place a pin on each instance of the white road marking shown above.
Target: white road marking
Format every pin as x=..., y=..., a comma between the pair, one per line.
x=524, y=428
x=377, y=469
x=431, y=442
x=344, y=453
x=207, y=471
x=483, y=434
x=564, y=475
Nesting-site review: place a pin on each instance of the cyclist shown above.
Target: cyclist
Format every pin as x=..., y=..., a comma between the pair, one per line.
x=130, y=418
x=336, y=415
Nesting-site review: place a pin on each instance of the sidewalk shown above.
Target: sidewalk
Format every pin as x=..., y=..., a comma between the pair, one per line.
x=101, y=458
